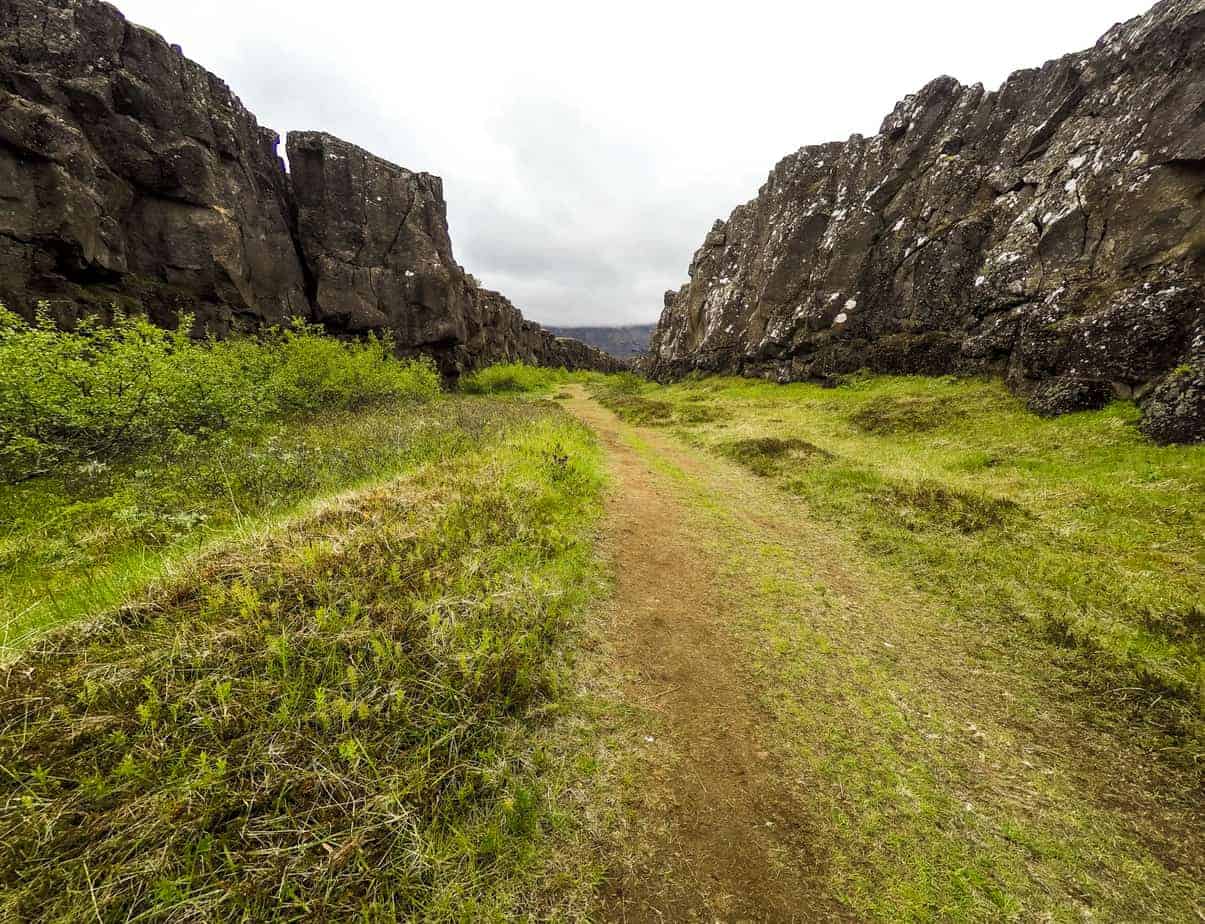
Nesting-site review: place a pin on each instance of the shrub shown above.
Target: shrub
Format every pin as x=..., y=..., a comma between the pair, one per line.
x=510, y=379
x=99, y=392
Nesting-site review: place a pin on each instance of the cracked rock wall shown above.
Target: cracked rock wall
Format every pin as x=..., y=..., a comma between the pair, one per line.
x=1051, y=232
x=132, y=177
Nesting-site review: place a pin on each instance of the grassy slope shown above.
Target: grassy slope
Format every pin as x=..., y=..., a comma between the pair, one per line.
x=979, y=633
x=350, y=713
x=79, y=540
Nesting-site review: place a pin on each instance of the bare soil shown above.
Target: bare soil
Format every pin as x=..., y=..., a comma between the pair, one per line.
x=724, y=836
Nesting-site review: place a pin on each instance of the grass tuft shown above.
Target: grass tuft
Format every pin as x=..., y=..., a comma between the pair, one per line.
x=771, y=455
x=893, y=415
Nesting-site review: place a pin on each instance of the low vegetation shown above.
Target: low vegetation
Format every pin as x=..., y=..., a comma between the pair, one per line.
x=345, y=715
x=122, y=448
x=901, y=594
x=104, y=392
x=1077, y=528
x=512, y=379
x=289, y=634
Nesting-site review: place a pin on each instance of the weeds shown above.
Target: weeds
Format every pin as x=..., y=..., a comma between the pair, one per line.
x=512, y=379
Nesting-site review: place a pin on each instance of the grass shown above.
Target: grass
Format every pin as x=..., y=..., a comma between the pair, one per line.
x=78, y=540
x=1076, y=530
x=100, y=393
x=338, y=665
x=959, y=760
x=349, y=715
x=515, y=379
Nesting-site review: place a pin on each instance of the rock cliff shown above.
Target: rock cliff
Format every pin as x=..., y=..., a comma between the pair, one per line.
x=1051, y=231
x=131, y=176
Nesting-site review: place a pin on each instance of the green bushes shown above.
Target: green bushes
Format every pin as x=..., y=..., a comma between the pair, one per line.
x=100, y=392
x=511, y=379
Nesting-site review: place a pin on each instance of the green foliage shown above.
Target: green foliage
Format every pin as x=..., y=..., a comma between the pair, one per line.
x=103, y=392
x=337, y=720
x=512, y=379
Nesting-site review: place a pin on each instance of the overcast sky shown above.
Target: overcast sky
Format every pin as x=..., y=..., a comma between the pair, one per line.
x=586, y=148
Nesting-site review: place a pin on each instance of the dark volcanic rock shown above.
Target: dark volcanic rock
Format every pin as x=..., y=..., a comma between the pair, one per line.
x=127, y=172
x=131, y=176
x=374, y=237
x=1051, y=232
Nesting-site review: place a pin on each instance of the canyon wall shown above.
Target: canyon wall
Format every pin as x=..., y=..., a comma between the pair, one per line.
x=132, y=177
x=1051, y=232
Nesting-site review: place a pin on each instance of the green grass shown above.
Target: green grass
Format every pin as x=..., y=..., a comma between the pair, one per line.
x=78, y=540
x=513, y=379
x=521, y=379
x=101, y=393
x=350, y=715
x=958, y=761
x=1076, y=530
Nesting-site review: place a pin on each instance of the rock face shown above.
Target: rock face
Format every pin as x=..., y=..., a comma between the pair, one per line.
x=1052, y=232
x=131, y=176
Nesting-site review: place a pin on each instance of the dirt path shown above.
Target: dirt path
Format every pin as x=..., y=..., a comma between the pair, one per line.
x=726, y=837
x=767, y=649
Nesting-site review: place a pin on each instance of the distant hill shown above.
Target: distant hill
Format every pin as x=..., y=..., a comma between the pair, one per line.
x=622, y=342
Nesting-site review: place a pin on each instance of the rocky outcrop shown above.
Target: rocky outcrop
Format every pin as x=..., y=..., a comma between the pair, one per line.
x=129, y=173
x=132, y=177
x=374, y=238
x=1051, y=231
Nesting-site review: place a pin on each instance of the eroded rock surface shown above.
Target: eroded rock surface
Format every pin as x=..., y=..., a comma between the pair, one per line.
x=131, y=176
x=1051, y=231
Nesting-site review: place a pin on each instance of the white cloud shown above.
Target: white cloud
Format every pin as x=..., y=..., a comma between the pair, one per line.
x=586, y=149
